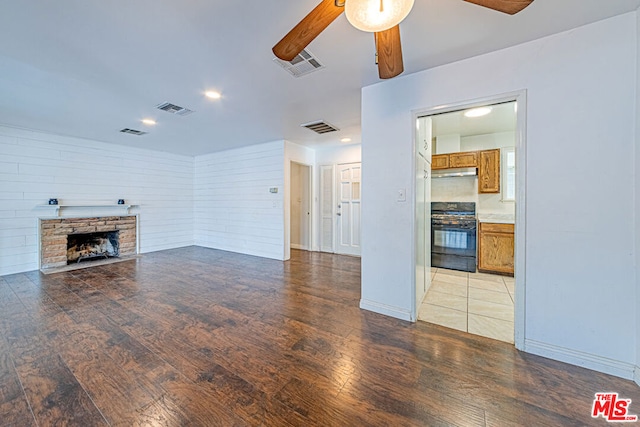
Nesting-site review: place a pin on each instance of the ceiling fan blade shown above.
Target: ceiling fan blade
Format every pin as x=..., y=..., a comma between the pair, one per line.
x=307, y=30
x=507, y=6
x=389, y=53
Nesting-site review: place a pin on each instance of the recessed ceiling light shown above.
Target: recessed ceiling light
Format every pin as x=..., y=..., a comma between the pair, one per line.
x=149, y=122
x=212, y=94
x=345, y=140
x=478, y=112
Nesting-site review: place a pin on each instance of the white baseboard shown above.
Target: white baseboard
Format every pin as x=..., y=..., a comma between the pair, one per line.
x=636, y=375
x=297, y=246
x=387, y=310
x=585, y=360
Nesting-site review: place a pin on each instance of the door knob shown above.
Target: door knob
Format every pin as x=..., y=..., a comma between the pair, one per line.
x=339, y=214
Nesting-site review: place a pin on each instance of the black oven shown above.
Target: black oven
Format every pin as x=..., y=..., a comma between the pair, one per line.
x=453, y=235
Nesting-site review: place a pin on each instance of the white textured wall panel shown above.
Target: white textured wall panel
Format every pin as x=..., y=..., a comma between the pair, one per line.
x=36, y=166
x=234, y=209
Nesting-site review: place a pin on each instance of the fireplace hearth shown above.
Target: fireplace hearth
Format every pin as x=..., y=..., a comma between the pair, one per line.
x=89, y=246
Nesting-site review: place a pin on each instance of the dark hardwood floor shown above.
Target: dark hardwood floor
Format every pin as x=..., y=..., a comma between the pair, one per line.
x=201, y=337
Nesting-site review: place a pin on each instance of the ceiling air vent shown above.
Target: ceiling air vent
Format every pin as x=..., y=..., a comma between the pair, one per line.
x=174, y=109
x=301, y=65
x=132, y=131
x=320, y=126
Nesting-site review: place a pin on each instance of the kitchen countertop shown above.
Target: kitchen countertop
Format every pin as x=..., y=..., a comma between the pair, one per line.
x=497, y=218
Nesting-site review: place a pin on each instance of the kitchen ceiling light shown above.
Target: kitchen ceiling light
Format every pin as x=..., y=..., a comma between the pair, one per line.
x=212, y=94
x=478, y=112
x=149, y=122
x=376, y=15
x=345, y=140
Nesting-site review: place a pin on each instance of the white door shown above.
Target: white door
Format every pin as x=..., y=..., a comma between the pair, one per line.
x=326, y=208
x=348, y=209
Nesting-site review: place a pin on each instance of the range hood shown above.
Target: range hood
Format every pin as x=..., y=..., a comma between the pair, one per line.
x=447, y=173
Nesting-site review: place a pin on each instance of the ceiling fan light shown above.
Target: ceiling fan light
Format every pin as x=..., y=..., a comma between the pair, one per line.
x=376, y=15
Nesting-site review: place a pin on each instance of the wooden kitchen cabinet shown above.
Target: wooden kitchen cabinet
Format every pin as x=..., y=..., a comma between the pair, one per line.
x=467, y=159
x=439, y=161
x=495, y=248
x=487, y=162
x=489, y=171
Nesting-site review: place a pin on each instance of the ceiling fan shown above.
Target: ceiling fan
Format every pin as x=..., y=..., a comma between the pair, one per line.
x=382, y=17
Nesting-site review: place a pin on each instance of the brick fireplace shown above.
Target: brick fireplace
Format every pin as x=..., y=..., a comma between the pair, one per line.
x=54, y=236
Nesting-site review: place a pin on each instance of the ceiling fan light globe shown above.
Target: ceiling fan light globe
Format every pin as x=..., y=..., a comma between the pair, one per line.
x=368, y=15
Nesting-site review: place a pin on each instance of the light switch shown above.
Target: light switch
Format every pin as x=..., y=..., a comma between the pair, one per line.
x=402, y=195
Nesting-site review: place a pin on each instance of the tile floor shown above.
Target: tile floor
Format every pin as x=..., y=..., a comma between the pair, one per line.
x=478, y=303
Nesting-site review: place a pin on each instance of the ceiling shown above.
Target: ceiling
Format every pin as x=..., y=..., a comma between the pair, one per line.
x=89, y=68
x=501, y=118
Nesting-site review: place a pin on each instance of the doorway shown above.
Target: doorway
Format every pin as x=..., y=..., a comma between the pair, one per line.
x=348, y=208
x=300, y=204
x=340, y=208
x=472, y=159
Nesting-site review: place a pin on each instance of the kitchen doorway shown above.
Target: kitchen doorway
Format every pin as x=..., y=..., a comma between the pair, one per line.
x=466, y=156
x=300, y=204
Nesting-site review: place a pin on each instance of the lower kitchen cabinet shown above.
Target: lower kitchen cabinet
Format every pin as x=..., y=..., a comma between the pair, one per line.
x=495, y=248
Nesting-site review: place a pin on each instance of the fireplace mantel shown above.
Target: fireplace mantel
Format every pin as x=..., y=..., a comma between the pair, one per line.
x=60, y=208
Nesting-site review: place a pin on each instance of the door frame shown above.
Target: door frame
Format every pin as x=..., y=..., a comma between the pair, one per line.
x=308, y=189
x=286, y=204
x=520, y=218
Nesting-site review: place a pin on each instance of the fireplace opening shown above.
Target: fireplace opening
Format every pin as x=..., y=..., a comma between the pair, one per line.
x=89, y=246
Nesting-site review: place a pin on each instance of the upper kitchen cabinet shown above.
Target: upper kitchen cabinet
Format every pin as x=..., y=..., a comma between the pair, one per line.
x=440, y=161
x=489, y=171
x=467, y=159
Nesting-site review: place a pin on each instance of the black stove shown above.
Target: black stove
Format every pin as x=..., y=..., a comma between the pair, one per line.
x=453, y=235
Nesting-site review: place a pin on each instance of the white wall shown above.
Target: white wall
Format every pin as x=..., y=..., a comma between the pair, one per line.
x=455, y=189
x=580, y=136
x=448, y=144
x=488, y=141
x=234, y=210
x=36, y=166
x=340, y=154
